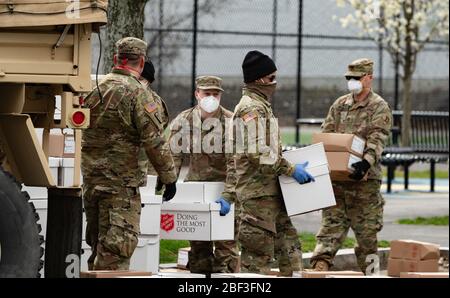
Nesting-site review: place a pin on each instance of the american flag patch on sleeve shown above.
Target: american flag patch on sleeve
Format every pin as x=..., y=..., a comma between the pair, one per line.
x=151, y=107
x=249, y=116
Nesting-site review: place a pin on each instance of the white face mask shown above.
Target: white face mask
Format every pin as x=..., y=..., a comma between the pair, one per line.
x=355, y=86
x=209, y=104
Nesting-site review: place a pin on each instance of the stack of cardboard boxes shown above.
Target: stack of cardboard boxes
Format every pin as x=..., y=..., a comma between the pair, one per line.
x=61, y=154
x=342, y=151
x=412, y=256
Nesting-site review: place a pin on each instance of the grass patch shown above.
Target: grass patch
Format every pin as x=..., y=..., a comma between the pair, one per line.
x=288, y=137
x=433, y=221
x=169, y=248
x=308, y=241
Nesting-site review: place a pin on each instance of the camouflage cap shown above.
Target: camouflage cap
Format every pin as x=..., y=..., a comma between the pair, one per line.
x=209, y=82
x=359, y=68
x=131, y=45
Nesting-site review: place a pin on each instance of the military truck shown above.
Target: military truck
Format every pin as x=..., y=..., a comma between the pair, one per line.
x=45, y=51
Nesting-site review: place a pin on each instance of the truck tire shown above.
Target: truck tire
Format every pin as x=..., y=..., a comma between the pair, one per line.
x=20, y=242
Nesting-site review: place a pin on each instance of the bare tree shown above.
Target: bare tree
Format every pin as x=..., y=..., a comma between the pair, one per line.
x=125, y=18
x=172, y=17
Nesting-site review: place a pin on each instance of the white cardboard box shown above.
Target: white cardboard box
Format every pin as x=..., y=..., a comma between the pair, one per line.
x=145, y=256
x=196, y=221
x=198, y=192
x=151, y=216
x=54, y=164
x=183, y=257
x=149, y=188
x=67, y=172
x=303, y=198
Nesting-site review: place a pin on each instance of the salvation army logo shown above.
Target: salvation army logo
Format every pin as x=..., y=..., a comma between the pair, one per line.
x=167, y=222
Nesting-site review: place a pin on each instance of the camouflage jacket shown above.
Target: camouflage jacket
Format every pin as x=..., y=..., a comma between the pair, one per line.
x=124, y=121
x=257, y=170
x=215, y=165
x=163, y=113
x=370, y=119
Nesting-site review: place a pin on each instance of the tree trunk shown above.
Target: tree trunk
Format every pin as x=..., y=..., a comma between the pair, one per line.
x=406, y=107
x=125, y=18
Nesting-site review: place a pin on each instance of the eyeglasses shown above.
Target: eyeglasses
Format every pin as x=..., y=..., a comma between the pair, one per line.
x=353, y=78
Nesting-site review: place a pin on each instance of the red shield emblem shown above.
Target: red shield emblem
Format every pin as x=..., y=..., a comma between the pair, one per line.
x=167, y=222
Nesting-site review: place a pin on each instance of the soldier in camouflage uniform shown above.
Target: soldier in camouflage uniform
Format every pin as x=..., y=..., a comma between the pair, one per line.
x=147, y=78
x=214, y=166
x=122, y=120
x=359, y=203
x=266, y=230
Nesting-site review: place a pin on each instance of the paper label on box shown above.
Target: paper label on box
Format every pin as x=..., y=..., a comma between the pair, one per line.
x=185, y=225
x=69, y=144
x=358, y=145
x=352, y=160
x=183, y=257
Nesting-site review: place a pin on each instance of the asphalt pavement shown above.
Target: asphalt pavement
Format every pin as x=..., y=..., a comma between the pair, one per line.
x=416, y=202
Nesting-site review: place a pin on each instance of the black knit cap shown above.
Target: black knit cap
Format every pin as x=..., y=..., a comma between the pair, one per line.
x=257, y=65
x=149, y=72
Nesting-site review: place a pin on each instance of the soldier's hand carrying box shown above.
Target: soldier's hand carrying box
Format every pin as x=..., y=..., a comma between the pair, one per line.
x=193, y=214
x=303, y=198
x=342, y=151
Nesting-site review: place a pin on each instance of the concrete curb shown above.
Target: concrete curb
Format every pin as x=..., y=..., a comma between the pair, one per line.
x=346, y=260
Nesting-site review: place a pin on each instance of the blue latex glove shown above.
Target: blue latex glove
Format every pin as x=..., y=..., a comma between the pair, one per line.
x=301, y=175
x=224, y=206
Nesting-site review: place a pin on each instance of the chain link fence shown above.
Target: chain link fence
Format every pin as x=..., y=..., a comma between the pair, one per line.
x=311, y=49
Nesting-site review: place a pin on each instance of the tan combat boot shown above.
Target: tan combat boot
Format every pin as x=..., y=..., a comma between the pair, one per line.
x=321, y=266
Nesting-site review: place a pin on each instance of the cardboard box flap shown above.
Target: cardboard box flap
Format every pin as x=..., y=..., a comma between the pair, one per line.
x=314, y=155
x=339, y=142
x=414, y=250
x=151, y=199
x=167, y=206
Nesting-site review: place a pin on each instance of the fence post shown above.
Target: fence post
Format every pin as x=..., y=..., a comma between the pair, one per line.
x=194, y=52
x=299, y=70
x=396, y=88
x=160, y=46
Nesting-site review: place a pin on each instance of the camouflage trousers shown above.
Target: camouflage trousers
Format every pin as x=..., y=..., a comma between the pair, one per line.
x=112, y=215
x=214, y=257
x=266, y=232
x=359, y=205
